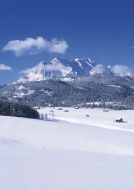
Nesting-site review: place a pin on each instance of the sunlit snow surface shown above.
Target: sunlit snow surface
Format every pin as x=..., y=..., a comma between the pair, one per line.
x=68, y=151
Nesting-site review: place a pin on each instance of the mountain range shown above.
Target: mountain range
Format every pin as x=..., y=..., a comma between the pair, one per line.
x=76, y=82
x=70, y=69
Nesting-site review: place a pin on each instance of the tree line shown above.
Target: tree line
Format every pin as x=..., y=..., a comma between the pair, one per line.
x=18, y=110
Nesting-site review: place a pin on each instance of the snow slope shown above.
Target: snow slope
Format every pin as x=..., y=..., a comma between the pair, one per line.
x=68, y=151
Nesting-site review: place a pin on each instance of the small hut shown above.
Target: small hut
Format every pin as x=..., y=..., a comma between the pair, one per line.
x=119, y=120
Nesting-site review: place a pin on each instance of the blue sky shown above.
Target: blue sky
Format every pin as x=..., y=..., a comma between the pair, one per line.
x=36, y=30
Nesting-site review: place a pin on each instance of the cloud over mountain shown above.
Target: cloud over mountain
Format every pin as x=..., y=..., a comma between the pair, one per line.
x=70, y=69
x=32, y=46
x=98, y=69
x=121, y=70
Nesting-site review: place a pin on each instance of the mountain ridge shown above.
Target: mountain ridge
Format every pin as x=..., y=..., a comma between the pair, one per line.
x=62, y=82
x=70, y=69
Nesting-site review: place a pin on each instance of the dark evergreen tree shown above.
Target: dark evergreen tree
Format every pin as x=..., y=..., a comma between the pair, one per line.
x=16, y=109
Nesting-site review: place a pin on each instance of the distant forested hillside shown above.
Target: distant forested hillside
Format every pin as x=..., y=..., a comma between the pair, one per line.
x=113, y=91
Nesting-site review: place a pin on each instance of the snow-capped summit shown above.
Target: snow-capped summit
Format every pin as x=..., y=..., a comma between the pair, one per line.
x=56, y=61
x=59, y=68
x=37, y=72
x=68, y=69
x=78, y=66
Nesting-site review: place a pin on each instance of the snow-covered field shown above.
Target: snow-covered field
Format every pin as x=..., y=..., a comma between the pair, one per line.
x=68, y=151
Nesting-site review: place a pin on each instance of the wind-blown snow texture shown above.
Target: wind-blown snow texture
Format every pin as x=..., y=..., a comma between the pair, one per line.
x=68, y=151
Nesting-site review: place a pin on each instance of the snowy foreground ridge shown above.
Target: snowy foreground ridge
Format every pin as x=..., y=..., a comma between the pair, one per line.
x=68, y=151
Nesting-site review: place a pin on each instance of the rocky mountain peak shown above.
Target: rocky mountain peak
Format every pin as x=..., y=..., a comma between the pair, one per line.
x=68, y=69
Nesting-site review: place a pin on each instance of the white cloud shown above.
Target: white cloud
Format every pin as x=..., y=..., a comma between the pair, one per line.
x=47, y=68
x=33, y=46
x=58, y=67
x=121, y=70
x=5, y=68
x=57, y=46
x=98, y=69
